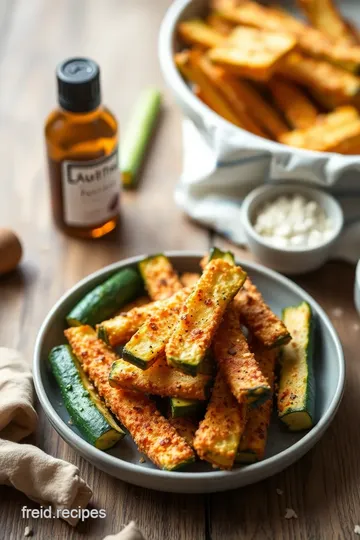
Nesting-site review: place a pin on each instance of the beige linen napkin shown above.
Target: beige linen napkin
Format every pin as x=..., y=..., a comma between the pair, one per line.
x=43, y=478
x=131, y=532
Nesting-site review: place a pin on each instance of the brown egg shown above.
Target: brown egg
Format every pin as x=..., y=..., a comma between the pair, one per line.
x=10, y=250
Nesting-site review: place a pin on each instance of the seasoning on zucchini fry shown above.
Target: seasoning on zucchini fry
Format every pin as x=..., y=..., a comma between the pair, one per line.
x=238, y=364
x=258, y=317
x=151, y=432
x=218, y=436
x=161, y=280
x=81, y=400
x=201, y=315
x=160, y=379
x=186, y=428
x=296, y=385
x=148, y=343
x=253, y=442
x=120, y=329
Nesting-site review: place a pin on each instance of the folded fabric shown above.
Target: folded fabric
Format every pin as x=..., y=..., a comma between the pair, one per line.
x=43, y=478
x=131, y=532
x=220, y=168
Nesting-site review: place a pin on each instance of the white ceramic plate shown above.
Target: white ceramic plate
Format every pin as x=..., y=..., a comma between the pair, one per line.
x=123, y=461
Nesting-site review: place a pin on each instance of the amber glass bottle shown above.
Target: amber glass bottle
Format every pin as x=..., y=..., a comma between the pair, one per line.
x=82, y=150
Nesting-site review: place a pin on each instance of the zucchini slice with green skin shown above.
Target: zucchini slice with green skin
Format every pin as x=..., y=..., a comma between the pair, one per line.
x=296, y=395
x=184, y=407
x=161, y=280
x=159, y=380
x=106, y=299
x=253, y=442
x=216, y=253
x=201, y=314
x=120, y=329
x=239, y=365
x=256, y=315
x=151, y=432
x=149, y=342
x=218, y=436
x=86, y=410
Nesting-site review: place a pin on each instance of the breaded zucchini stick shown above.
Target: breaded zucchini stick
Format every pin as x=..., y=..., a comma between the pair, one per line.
x=201, y=315
x=197, y=32
x=160, y=379
x=186, y=428
x=253, y=442
x=325, y=16
x=219, y=24
x=148, y=343
x=297, y=108
x=252, y=53
x=151, y=432
x=120, y=329
x=218, y=436
x=227, y=86
x=332, y=131
x=238, y=364
x=310, y=41
x=256, y=315
x=160, y=279
x=322, y=77
x=188, y=64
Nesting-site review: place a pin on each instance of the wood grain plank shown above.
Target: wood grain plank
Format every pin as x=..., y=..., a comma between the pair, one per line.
x=122, y=37
x=322, y=487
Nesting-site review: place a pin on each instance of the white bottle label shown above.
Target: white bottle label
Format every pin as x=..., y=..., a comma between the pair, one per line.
x=91, y=190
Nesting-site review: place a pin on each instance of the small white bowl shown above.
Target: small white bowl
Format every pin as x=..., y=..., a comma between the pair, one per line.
x=357, y=287
x=290, y=260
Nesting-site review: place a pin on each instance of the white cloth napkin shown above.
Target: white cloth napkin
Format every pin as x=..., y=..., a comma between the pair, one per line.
x=220, y=168
x=43, y=478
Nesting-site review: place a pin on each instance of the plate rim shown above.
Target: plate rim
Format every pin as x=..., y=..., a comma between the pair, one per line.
x=259, y=470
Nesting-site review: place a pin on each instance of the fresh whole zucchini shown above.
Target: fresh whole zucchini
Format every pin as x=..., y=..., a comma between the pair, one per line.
x=87, y=411
x=106, y=299
x=296, y=395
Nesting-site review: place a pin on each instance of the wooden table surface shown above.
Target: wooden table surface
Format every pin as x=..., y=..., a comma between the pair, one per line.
x=121, y=35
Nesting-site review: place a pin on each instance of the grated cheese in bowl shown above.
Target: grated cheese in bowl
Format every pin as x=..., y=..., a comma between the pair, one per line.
x=293, y=221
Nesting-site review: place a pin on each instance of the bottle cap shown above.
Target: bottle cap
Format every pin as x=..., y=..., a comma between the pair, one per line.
x=78, y=82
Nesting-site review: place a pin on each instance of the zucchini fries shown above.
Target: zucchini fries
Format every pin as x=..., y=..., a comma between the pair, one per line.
x=188, y=382
x=218, y=436
x=201, y=314
x=150, y=430
x=273, y=75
